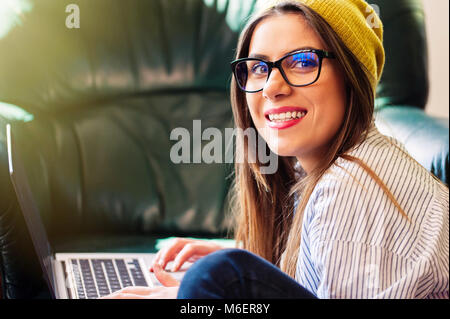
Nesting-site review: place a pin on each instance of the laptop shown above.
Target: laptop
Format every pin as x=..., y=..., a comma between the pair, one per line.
x=77, y=275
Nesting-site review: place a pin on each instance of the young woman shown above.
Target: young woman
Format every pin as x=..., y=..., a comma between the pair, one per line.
x=348, y=214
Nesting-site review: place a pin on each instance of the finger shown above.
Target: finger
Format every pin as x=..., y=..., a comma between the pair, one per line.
x=137, y=290
x=169, y=253
x=160, y=253
x=187, y=252
x=123, y=296
x=156, y=259
x=165, y=278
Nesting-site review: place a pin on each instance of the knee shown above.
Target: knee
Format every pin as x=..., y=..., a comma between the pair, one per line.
x=219, y=261
x=226, y=259
x=214, y=270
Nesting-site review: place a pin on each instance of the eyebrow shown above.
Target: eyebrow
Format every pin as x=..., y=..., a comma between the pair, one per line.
x=265, y=57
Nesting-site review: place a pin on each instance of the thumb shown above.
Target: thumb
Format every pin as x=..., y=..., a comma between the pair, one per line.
x=164, y=277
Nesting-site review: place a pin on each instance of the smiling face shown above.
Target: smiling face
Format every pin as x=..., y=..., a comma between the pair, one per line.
x=322, y=103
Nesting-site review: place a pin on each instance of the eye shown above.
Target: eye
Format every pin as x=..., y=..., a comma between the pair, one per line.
x=303, y=62
x=259, y=68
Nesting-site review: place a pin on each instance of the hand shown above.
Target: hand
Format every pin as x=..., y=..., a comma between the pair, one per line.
x=144, y=293
x=181, y=250
x=168, y=291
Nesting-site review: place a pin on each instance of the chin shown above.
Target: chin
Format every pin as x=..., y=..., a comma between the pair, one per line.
x=282, y=149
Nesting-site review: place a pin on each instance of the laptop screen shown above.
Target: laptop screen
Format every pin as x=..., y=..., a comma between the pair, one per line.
x=30, y=211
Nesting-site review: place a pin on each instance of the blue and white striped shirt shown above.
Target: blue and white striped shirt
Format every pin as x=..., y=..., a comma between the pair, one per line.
x=356, y=244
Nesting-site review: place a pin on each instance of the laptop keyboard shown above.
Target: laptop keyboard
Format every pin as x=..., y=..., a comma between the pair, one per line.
x=100, y=277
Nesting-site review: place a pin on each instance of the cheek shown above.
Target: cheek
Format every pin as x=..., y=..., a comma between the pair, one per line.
x=255, y=103
x=328, y=112
x=335, y=104
x=255, y=106
x=334, y=101
x=341, y=103
x=332, y=111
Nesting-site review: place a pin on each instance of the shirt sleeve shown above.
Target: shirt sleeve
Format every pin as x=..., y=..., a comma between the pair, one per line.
x=349, y=234
x=355, y=270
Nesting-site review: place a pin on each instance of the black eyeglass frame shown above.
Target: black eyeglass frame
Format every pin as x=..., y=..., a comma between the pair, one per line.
x=277, y=64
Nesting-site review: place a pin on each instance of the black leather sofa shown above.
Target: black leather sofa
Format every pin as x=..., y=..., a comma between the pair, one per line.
x=92, y=109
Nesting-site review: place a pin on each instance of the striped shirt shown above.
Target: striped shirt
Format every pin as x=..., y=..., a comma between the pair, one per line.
x=356, y=244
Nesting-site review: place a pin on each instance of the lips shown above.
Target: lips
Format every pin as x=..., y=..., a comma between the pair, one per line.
x=284, y=117
x=284, y=109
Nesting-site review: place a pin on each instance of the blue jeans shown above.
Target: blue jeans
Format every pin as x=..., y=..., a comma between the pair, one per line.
x=238, y=274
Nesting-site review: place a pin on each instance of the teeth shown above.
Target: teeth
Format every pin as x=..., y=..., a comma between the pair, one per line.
x=282, y=117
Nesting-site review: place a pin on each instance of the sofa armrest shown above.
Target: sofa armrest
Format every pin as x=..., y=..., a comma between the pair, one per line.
x=20, y=273
x=426, y=138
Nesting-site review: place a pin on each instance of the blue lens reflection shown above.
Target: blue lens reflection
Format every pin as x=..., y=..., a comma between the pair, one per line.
x=307, y=59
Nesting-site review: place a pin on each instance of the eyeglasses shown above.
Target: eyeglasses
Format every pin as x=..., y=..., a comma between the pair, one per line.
x=299, y=68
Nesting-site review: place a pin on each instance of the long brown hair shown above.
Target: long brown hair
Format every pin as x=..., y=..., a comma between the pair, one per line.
x=263, y=204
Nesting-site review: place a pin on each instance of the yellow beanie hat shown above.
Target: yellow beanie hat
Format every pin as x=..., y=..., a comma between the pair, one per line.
x=358, y=26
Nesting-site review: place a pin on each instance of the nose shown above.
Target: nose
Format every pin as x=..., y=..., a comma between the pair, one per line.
x=276, y=86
